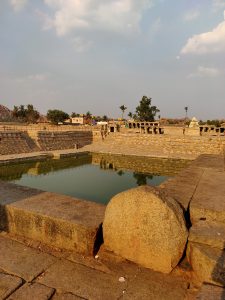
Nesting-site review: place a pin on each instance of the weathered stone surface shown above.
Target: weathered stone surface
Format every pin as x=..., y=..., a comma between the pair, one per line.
x=139, y=283
x=208, y=202
x=153, y=285
x=8, y=284
x=211, y=292
x=210, y=161
x=22, y=261
x=66, y=296
x=32, y=291
x=52, y=219
x=182, y=187
x=82, y=281
x=145, y=226
x=208, y=233
x=207, y=262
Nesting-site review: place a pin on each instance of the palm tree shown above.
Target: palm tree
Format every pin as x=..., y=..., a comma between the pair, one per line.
x=186, y=111
x=123, y=108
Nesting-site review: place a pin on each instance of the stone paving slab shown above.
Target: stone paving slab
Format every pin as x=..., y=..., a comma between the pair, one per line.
x=82, y=281
x=93, y=284
x=148, y=285
x=208, y=233
x=211, y=292
x=22, y=261
x=208, y=202
x=32, y=291
x=66, y=296
x=8, y=284
x=211, y=161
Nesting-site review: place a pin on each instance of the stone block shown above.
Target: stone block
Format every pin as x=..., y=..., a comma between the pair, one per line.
x=22, y=261
x=208, y=233
x=147, y=227
x=56, y=220
x=8, y=284
x=208, y=263
x=208, y=202
x=32, y=291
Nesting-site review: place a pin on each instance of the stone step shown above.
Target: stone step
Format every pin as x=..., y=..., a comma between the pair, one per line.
x=56, y=220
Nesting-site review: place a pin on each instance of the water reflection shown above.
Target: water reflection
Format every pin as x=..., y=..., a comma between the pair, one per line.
x=141, y=179
x=95, y=177
x=143, y=168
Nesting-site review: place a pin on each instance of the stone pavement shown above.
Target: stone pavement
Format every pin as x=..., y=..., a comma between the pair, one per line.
x=28, y=273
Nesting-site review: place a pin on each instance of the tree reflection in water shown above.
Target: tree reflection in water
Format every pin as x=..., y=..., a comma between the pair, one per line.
x=141, y=179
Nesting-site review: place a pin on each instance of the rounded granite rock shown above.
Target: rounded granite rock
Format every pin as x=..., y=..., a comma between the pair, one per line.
x=146, y=226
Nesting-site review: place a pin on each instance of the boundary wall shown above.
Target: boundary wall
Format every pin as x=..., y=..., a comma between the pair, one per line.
x=165, y=145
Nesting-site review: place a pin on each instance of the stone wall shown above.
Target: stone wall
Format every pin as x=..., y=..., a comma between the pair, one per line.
x=165, y=146
x=16, y=142
x=63, y=140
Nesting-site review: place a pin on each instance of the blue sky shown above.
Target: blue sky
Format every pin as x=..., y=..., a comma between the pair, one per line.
x=80, y=55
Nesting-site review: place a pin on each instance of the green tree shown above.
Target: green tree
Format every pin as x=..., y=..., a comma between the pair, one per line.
x=145, y=111
x=74, y=115
x=88, y=115
x=130, y=114
x=56, y=116
x=123, y=108
x=105, y=118
x=28, y=114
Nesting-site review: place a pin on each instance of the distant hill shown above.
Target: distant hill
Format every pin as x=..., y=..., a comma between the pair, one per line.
x=5, y=113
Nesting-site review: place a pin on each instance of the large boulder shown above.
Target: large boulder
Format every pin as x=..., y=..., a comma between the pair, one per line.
x=147, y=227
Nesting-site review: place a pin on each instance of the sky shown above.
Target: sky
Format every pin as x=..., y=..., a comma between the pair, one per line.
x=96, y=55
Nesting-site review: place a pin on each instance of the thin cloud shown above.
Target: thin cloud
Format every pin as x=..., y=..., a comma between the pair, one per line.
x=18, y=5
x=33, y=77
x=208, y=42
x=81, y=45
x=218, y=4
x=191, y=15
x=204, y=72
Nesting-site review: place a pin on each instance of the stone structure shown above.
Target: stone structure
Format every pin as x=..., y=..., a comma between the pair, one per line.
x=16, y=142
x=146, y=227
x=194, y=123
x=160, y=145
x=211, y=130
x=146, y=127
x=63, y=140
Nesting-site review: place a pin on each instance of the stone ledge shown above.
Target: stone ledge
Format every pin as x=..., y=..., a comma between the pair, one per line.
x=55, y=220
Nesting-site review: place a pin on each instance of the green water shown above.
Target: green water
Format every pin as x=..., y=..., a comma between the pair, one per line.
x=79, y=177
